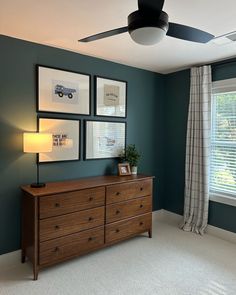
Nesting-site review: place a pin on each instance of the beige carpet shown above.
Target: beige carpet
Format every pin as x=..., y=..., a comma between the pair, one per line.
x=172, y=262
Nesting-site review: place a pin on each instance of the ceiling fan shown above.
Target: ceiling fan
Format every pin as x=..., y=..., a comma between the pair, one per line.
x=149, y=24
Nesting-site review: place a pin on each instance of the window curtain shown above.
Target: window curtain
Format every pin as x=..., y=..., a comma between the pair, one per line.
x=198, y=151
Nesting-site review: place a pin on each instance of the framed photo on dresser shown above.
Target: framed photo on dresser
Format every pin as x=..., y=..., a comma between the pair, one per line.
x=124, y=169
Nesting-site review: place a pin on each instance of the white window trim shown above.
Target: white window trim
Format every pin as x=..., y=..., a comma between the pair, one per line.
x=223, y=199
x=222, y=86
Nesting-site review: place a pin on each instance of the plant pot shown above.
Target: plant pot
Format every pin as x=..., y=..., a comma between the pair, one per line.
x=134, y=169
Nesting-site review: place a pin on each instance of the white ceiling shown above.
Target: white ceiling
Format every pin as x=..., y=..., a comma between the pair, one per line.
x=61, y=23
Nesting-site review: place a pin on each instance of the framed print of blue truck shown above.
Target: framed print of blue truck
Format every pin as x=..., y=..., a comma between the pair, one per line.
x=61, y=91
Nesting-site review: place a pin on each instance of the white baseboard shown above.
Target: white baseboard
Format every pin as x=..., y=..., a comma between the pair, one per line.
x=221, y=233
x=9, y=260
x=158, y=215
x=175, y=219
x=167, y=217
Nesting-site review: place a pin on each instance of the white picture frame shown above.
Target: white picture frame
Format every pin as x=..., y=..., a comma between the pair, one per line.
x=111, y=97
x=104, y=139
x=66, y=139
x=62, y=91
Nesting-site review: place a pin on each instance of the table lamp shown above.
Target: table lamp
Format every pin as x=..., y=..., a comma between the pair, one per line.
x=37, y=143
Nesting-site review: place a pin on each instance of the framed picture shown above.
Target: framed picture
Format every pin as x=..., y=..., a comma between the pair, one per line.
x=124, y=169
x=66, y=139
x=104, y=139
x=111, y=98
x=61, y=91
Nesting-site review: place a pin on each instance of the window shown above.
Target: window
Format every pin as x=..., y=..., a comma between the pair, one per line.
x=223, y=139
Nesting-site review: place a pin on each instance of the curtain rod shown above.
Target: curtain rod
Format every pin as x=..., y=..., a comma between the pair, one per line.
x=223, y=62
x=217, y=63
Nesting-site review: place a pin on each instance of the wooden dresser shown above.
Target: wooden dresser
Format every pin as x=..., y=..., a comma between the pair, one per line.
x=71, y=218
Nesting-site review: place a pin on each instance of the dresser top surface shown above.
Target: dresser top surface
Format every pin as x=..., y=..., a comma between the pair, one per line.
x=82, y=183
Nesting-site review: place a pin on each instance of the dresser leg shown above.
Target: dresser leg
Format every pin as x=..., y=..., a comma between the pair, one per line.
x=150, y=233
x=36, y=273
x=22, y=256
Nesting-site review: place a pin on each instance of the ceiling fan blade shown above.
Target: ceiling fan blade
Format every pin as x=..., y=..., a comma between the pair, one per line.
x=104, y=34
x=188, y=33
x=150, y=5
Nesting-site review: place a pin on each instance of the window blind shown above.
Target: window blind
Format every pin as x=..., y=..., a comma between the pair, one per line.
x=223, y=142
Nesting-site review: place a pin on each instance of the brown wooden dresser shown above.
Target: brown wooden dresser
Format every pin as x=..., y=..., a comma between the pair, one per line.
x=71, y=218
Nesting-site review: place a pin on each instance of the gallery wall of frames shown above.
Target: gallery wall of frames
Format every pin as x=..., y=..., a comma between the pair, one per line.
x=61, y=92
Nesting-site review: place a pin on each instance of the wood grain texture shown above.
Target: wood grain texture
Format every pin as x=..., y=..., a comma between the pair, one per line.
x=126, y=191
x=29, y=237
x=126, y=228
x=72, y=245
x=67, y=219
x=123, y=210
x=55, y=227
x=83, y=183
x=64, y=203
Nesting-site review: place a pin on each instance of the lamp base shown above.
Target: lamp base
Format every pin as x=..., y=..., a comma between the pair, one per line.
x=38, y=185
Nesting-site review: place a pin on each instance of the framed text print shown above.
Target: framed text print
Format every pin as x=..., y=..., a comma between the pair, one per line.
x=104, y=139
x=61, y=91
x=111, y=97
x=66, y=139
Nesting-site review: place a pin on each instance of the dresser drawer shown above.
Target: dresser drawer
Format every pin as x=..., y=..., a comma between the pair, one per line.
x=122, y=229
x=128, y=209
x=72, y=245
x=125, y=191
x=64, y=203
x=55, y=227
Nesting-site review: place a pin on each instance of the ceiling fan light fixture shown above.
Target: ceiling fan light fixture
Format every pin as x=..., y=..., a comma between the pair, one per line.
x=147, y=28
x=149, y=24
x=148, y=35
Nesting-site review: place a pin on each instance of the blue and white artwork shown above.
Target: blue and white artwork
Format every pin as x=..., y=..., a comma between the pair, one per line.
x=61, y=91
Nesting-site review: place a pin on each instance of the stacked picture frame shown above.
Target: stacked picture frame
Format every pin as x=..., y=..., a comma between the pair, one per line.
x=64, y=105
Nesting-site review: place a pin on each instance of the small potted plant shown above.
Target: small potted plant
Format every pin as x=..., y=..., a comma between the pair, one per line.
x=132, y=156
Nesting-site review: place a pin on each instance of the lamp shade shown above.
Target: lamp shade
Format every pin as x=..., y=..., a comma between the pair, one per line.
x=37, y=142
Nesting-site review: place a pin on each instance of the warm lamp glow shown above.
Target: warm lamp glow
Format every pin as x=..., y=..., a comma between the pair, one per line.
x=37, y=142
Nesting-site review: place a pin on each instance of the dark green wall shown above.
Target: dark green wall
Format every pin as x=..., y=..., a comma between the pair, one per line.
x=157, y=120
x=177, y=87
x=177, y=90
x=18, y=114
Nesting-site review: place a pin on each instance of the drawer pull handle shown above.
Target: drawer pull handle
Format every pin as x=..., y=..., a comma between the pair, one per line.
x=57, y=205
x=141, y=223
x=56, y=249
x=90, y=218
x=57, y=227
x=117, y=211
x=118, y=193
x=141, y=206
x=117, y=231
x=90, y=199
x=90, y=239
x=141, y=188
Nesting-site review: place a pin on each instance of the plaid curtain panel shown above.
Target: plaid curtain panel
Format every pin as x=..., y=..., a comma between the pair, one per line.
x=197, y=160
